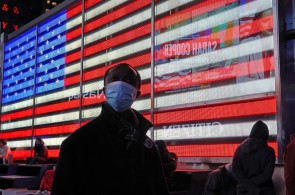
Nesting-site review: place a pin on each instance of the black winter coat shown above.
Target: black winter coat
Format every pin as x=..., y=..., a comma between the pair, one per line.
x=106, y=168
x=253, y=166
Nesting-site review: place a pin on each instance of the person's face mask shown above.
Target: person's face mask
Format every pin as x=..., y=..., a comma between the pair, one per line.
x=120, y=95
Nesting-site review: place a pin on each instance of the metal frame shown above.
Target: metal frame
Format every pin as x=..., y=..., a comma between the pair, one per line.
x=2, y=41
x=81, y=63
x=277, y=81
x=152, y=65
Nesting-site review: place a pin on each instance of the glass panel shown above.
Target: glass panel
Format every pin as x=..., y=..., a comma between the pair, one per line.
x=115, y=32
x=57, y=77
x=18, y=92
x=214, y=73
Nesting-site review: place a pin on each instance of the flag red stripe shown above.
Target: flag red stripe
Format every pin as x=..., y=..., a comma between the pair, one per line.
x=90, y=3
x=57, y=129
x=62, y=106
x=211, y=150
x=23, y=154
x=74, y=10
x=16, y=134
x=16, y=115
x=74, y=34
x=224, y=111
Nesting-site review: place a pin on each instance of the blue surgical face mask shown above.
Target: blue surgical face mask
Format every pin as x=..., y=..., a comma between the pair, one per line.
x=120, y=95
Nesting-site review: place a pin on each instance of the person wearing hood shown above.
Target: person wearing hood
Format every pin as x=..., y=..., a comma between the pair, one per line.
x=254, y=162
x=128, y=160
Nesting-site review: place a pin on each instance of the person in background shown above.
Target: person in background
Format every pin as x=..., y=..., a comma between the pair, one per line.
x=221, y=181
x=40, y=153
x=289, y=166
x=4, y=151
x=128, y=160
x=46, y=182
x=254, y=162
x=169, y=162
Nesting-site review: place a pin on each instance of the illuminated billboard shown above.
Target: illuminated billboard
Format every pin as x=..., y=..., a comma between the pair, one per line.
x=213, y=72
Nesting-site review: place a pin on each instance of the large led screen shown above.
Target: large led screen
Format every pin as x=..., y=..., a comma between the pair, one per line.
x=211, y=76
x=214, y=74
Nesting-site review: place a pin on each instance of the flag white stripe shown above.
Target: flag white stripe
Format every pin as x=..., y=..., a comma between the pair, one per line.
x=18, y=105
x=209, y=130
x=217, y=93
x=27, y=142
x=73, y=68
x=91, y=113
x=18, y=124
x=19, y=144
x=143, y=104
x=73, y=22
x=70, y=46
x=68, y=116
x=102, y=8
x=93, y=86
x=59, y=95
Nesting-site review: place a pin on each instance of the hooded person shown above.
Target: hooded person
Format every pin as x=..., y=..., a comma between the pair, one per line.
x=254, y=162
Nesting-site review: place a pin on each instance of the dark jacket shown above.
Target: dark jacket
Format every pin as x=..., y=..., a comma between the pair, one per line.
x=41, y=153
x=110, y=165
x=169, y=159
x=221, y=182
x=253, y=166
x=289, y=166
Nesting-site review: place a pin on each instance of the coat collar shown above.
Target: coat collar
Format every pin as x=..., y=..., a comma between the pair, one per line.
x=108, y=114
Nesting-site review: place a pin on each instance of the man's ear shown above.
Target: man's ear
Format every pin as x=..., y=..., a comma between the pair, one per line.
x=138, y=94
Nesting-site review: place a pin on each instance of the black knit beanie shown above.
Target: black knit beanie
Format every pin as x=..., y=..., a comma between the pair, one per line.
x=259, y=131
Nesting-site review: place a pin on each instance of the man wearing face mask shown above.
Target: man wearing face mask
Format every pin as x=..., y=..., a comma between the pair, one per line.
x=113, y=149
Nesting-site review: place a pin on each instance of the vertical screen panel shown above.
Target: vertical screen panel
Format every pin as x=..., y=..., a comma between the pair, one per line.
x=214, y=72
x=56, y=109
x=18, y=90
x=38, y=84
x=115, y=32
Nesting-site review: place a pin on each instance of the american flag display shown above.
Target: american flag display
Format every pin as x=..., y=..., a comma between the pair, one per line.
x=214, y=72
